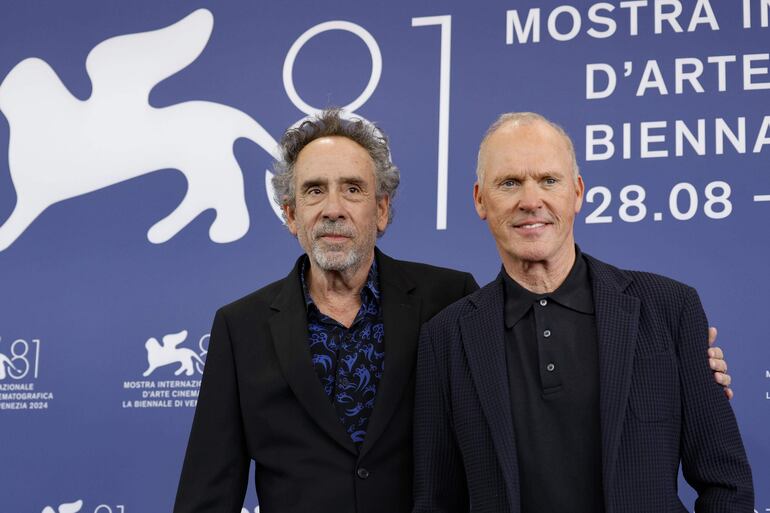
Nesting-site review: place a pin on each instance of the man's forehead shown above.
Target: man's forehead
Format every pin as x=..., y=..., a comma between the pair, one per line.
x=332, y=146
x=530, y=133
x=333, y=156
x=524, y=143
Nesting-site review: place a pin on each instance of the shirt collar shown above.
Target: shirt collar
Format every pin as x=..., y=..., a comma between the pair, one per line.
x=370, y=290
x=574, y=293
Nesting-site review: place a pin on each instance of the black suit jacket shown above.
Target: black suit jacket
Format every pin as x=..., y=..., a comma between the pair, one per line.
x=659, y=404
x=262, y=400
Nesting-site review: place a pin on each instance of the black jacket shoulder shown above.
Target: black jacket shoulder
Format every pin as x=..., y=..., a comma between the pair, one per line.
x=258, y=300
x=436, y=286
x=640, y=281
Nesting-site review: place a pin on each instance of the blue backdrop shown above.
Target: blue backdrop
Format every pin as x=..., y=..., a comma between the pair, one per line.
x=666, y=101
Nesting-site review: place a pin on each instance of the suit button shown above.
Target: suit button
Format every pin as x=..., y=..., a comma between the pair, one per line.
x=362, y=473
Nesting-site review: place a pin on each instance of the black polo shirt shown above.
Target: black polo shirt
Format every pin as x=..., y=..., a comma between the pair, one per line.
x=553, y=372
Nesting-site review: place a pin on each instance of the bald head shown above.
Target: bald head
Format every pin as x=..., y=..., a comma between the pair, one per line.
x=516, y=119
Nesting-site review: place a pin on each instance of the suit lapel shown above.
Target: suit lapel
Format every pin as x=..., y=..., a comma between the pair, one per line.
x=401, y=318
x=289, y=329
x=483, y=338
x=617, y=322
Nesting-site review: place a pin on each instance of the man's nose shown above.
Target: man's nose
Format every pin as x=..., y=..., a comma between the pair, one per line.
x=530, y=198
x=333, y=206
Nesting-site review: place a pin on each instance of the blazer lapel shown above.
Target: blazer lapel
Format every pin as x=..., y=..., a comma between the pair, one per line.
x=483, y=338
x=401, y=318
x=617, y=322
x=289, y=329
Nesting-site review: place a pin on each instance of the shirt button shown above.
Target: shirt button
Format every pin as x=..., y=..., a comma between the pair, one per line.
x=362, y=473
x=547, y=333
x=550, y=367
x=543, y=302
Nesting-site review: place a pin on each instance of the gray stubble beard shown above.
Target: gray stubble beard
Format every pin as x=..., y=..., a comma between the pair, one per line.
x=351, y=261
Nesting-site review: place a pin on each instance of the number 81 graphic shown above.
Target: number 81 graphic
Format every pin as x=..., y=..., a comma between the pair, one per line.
x=23, y=359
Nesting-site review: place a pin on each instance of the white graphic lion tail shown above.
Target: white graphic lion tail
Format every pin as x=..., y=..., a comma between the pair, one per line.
x=198, y=358
x=249, y=128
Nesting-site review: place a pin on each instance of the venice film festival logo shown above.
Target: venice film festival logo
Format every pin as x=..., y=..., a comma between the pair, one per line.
x=168, y=353
x=22, y=360
x=63, y=147
x=67, y=507
x=77, y=507
x=166, y=358
x=19, y=371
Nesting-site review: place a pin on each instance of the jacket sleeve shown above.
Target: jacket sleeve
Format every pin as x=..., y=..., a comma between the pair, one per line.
x=713, y=458
x=216, y=466
x=439, y=483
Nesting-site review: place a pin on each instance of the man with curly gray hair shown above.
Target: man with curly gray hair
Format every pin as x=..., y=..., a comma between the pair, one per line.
x=335, y=122
x=296, y=376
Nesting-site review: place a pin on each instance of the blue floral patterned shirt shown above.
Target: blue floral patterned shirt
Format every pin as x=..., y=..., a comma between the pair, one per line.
x=349, y=361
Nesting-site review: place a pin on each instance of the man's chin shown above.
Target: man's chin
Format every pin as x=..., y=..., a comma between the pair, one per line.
x=330, y=248
x=330, y=260
x=528, y=252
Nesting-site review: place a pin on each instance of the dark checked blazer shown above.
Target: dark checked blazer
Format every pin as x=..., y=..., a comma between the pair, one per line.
x=659, y=404
x=261, y=399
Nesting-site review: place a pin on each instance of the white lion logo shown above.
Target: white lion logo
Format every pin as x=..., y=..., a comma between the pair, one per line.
x=70, y=507
x=61, y=147
x=159, y=355
x=6, y=362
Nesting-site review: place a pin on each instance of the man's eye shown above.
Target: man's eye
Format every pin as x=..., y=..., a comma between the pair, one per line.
x=354, y=189
x=509, y=183
x=551, y=181
x=313, y=191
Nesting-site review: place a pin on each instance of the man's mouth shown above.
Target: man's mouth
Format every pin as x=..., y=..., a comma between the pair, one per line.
x=334, y=233
x=333, y=237
x=531, y=225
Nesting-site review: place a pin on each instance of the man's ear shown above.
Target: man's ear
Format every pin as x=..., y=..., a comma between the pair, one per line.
x=478, y=201
x=383, y=210
x=290, y=218
x=580, y=186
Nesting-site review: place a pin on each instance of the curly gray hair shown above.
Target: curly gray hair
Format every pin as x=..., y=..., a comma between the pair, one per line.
x=327, y=123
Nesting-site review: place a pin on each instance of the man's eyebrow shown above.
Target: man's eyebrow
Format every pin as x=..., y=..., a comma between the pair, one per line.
x=510, y=175
x=312, y=182
x=535, y=173
x=323, y=182
x=356, y=180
